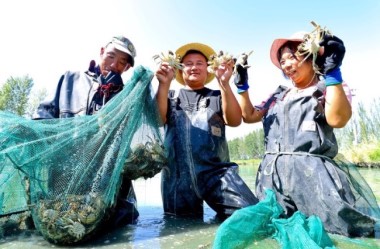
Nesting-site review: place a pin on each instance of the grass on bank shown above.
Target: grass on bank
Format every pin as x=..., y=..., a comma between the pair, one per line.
x=363, y=154
x=247, y=162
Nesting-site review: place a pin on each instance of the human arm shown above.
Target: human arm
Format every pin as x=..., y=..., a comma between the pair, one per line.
x=165, y=75
x=249, y=112
x=230, y=106
x=337, y=107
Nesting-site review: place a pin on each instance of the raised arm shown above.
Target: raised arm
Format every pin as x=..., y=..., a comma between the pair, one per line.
x=230, y=105
x=337, y=107
x=165, y=75
x=249, y=112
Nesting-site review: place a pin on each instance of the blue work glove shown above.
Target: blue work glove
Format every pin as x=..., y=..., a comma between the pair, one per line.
x=333, y=77
x=331, y=59
x=113, y=78
x=333, y=54
x=241, y=79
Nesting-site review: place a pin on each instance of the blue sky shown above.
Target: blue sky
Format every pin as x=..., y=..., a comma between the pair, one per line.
x=44, y=38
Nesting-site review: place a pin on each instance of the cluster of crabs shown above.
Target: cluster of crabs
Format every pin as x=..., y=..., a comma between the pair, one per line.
x=309, y=47
x=214, y=61
x=145, y=160
x=68, y=220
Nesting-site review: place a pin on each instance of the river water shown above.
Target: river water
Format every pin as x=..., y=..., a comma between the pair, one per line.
x=155, y=231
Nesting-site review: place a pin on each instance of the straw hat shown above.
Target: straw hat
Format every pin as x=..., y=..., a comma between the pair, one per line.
x=204, y=49
x=278, y=43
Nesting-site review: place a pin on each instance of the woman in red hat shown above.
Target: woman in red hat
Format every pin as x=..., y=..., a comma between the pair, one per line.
x=300, y=163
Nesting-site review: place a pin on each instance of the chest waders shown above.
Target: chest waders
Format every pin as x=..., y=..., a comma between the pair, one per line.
x=299, y=166
x=199, y=165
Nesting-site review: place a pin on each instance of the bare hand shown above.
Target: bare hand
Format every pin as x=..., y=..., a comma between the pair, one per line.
x=224, y=72
x=165, y=73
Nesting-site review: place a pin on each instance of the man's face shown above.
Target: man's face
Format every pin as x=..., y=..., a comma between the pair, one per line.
x=194, y=72
x=113, y=60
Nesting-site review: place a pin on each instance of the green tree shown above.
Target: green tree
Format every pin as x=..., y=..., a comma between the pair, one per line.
x=14, y=94
x=233, y=149
x=249, y=147
x=35, y=99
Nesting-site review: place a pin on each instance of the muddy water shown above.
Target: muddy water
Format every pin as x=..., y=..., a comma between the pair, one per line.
x=155, y=231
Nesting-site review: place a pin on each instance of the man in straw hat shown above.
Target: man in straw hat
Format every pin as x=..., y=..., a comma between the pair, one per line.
x=195, y=118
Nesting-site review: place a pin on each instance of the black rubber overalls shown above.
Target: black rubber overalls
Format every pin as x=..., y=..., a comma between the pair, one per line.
x=298, y=163
x=199, y=165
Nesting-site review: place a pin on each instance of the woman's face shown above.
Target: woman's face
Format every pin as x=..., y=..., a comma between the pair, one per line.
x=194, y=72
x=301, y=73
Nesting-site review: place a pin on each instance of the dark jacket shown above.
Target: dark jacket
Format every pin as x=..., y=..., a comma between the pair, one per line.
x=77, y=94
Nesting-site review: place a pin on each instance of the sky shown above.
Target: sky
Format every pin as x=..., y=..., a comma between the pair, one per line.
x=44, y=38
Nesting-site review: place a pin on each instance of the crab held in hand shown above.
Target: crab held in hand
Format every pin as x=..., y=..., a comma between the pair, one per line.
x=170, y=58
x=216, y=60
x=242, y=61
x=310, y=46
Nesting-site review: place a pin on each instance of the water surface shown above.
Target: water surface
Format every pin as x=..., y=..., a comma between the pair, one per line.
x=155, y=231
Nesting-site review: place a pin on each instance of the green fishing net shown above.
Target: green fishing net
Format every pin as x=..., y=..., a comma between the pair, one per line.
x=257, y=222
x=254, y=226
x=68, y=172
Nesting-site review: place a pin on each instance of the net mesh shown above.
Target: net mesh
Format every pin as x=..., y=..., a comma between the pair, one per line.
x=257, y=222
x=247, y=226
x=68, y=172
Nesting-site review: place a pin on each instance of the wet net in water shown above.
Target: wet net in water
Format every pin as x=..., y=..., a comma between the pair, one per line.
x=67, y=172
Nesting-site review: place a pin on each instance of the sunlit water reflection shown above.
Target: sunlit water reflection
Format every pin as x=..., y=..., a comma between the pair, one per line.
x=154, y=230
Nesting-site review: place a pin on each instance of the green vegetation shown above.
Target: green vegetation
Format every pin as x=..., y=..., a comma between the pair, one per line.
x=360, y=140
x=248, y=147
x=16, y=96
x=248, y=162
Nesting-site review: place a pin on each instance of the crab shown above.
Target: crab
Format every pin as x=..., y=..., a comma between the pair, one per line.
x=88, y=216
x=51, y=224
x=75, y=229
x=310, y=46
x=242, y=61
x=216, y=60
x=170, y=58
x=49, y=216
x=156, y=150
x=91, y=211
x=145, y=159
x=49, y=219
